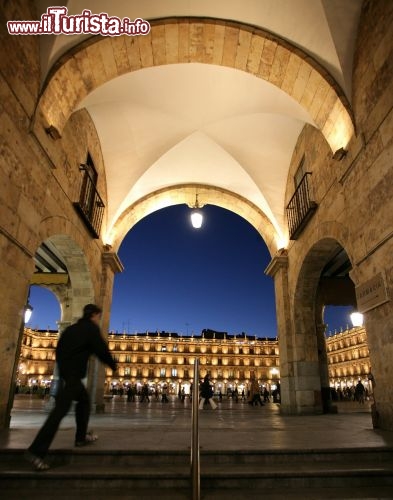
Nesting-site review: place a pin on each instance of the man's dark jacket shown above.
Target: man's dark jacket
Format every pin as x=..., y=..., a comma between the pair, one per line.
x=75, y=346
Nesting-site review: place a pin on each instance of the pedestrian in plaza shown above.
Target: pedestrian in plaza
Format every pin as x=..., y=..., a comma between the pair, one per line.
x=130, y=394
x=164, y=395
x=255, y=394
x=359, y=392
x=207, y=393
x=74, y=348
x=145, y=393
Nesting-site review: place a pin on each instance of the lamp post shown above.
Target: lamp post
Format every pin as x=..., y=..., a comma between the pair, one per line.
x=196, y=214
x=28, y=312
x=357, y=319
x=26, y=315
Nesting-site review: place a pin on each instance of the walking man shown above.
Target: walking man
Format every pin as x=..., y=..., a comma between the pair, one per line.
x=74, y=348
x=207, y=393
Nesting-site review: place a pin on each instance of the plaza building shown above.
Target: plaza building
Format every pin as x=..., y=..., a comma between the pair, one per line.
x=162, y=358
x=280, y=112
x=349, y=359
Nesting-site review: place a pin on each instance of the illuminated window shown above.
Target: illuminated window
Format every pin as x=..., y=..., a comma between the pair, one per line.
x=163, y=348
x=174, y=372
x=162, y=372
x=127, y=370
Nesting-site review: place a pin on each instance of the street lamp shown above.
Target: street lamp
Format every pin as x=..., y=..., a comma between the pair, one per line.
x=357, y=319
x=196, y=215
x=28, y=310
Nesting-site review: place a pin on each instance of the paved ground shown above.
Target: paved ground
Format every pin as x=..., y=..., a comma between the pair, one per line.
x=158, y=426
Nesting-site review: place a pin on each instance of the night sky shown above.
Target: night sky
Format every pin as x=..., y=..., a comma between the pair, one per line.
x=182, y=280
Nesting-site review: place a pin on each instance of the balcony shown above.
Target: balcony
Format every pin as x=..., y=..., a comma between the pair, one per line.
x=301, y=208
x=90, y=206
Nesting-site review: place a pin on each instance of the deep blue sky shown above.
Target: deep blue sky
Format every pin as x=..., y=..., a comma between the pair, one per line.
x=182, y=280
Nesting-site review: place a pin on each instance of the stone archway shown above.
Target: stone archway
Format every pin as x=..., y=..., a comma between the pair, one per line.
x=197, y=40
x=185, y=194
x=71, y=246
x=311, y=293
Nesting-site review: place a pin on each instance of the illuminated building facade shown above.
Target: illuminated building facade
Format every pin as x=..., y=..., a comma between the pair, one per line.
x=348, y=358
x=167, y=359
x=37, y=357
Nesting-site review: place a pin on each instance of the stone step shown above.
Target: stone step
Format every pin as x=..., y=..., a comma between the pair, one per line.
x=95, y=471
x=85, y=456
x=366, y=493
x=89, y=455
x=278, y=457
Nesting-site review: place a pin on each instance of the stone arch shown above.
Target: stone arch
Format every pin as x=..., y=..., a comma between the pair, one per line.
x=309, y=348
x=181, y=194
x=198, y=40
x=329, y=230
x=71, y=246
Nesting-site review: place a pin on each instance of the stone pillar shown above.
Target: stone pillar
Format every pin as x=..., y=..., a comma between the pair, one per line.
x=379, y=327
x=111, y=265
x=327, y=406
x=278, y=269
x=373, y=276
x=16, y=268
x=61, y=326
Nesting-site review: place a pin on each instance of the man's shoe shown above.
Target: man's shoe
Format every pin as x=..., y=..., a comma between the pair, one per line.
x=89, y=439
x=38, y=463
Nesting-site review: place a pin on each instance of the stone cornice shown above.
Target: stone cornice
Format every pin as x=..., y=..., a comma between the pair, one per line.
x=279, y=261
x=112, y=260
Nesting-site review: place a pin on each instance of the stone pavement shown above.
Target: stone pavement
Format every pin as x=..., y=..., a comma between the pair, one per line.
x=233, y=426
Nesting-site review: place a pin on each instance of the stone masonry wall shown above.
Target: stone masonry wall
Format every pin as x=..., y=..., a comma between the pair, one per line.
x=39, y=182
x=355, y=195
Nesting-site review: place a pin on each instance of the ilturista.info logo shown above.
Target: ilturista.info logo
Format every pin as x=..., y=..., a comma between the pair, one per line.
x=56, y=21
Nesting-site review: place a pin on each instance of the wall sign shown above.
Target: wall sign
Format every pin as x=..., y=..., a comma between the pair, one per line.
x=372, y=293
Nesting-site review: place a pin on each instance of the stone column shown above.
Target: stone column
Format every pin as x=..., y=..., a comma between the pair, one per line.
x=278, y=269
x=111, y=265
x=327, y=405
x=16, y=268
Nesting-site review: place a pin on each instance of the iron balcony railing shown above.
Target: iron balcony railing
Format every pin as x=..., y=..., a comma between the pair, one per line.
x=301, y=207
x=90, y=205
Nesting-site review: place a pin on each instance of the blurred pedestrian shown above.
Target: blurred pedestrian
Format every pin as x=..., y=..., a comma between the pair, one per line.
x=73, y=350
x=206, y=394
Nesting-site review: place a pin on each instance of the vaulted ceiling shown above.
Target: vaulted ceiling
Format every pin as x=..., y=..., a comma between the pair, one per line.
x=193, y=123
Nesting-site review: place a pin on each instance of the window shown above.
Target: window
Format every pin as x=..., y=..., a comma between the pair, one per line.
x=301, y=206
x=90, y=205
x=162, y=372
x=128, y=359
x=299, y=172
x=163, y=348
x=175, y=348
x=174, y=372
x=127, y=370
